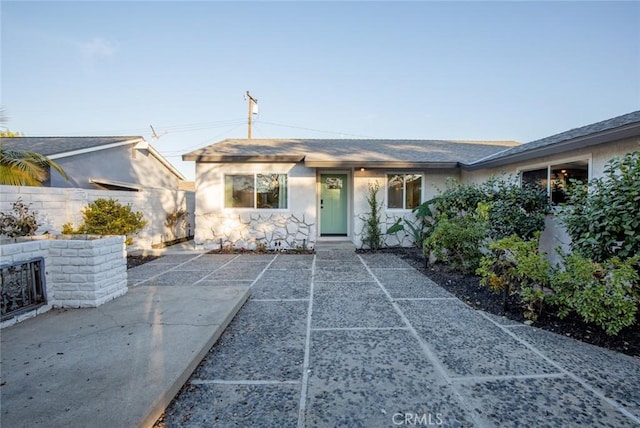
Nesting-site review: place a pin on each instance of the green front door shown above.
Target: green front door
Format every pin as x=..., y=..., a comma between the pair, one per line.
x=333, y=205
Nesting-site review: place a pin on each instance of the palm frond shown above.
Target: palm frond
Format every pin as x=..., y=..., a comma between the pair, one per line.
x=25, y=168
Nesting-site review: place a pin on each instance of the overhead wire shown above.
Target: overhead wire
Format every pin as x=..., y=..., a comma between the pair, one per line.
x=315, y=130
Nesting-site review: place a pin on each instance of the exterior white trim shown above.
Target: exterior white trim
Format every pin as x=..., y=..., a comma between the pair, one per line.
x=94, y=149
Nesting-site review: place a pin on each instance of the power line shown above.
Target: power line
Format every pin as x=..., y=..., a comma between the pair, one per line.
x=315, y=130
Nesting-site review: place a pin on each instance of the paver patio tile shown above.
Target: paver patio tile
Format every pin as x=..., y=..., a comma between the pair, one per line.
x=265, y=341
x=177, y=278
x=352, y=304
x=223, y=283
x=281, y=289
x=340, y=271
x=468, y=344
x=592, y=364
x=384, y=261
x=235, y=272
x=343, y=255
x=254, y=258
x=174, y=259
x=206, y=405
x=409, y=284
x=294, y=262
x=207, y=261
x=552, y=402
x=368, y=378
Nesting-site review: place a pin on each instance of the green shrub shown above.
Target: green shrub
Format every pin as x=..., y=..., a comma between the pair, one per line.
x=511, y=208
x=457, y=240
x=21, y=222
x=109, y=217
x=601, y=217
x=515, y=266
x=458, y=199
x=606, y=294
x=515, y=209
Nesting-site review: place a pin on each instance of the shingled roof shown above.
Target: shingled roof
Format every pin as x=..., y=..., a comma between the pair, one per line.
x=617, y=128
x=51, y=146
x=350, y=153
x=61, y=147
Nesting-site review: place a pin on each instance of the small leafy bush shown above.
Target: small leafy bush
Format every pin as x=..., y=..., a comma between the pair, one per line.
x=457, y=240
x=21, y=222
x=511, y=208
x=458, y=199
x=606, y=294
x=601, y=217
x=515, y=266
x=515, y=209
x=109, y=217
x=419, y=229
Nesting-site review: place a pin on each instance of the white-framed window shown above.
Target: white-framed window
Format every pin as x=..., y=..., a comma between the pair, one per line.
x=556, y=177
x=258, y=191
x=404, y=191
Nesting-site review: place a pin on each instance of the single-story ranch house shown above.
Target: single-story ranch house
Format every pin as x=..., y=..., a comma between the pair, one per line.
x=287, y=193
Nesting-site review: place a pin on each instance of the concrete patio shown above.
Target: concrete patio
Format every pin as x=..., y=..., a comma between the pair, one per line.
x=341, y=339
x=331, y=339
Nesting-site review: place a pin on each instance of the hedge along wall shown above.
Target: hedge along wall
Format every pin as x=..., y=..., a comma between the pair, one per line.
x=57, y=206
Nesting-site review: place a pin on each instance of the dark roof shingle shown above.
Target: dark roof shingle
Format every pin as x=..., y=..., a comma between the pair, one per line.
x=567, y=136
x=333, y=151
x=55, y=145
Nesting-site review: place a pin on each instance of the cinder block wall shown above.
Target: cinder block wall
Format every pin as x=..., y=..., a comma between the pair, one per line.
x=80, y=271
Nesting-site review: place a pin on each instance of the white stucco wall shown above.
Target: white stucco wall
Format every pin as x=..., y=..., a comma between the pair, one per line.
x=292, y=227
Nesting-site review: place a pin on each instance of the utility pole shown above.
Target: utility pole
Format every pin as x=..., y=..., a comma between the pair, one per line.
x=252, y=102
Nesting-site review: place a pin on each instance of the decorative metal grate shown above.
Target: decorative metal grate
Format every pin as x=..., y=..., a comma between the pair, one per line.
x=22, y=288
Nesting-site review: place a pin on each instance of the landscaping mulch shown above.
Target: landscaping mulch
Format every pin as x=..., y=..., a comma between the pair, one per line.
x=133, y=261
x=468, y=289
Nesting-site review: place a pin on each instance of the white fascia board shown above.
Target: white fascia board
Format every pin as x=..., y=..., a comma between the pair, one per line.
x=165, y=162
x=94, y=149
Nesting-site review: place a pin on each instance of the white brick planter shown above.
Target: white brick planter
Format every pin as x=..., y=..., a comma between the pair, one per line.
x=80, y=271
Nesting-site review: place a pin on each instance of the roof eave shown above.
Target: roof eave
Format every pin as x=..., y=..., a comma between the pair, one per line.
x=242, y=159
x=164, y=161
x=627, y=131
x=61, y=155
x=379, y=164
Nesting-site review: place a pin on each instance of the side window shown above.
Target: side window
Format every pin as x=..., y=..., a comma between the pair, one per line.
x=404, y=191
x=238, y=191
x=561, y=176
x=557, y=177
x=271, y=190
x=261, y=191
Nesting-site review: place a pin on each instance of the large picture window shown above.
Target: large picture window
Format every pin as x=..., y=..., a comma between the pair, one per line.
x=262, y=191
x=555, y=178
x=404, y=191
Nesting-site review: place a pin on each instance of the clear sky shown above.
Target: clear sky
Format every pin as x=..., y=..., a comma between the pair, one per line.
x=426, y=70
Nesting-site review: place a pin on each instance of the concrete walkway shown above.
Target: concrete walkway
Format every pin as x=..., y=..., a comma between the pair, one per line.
x=332, y=339
x=341, y=339
x=120, y=365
